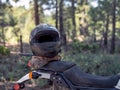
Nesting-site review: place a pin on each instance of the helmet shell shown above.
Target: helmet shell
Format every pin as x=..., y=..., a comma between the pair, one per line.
x=45, y=41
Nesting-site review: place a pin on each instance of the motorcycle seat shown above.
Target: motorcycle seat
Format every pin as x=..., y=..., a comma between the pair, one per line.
x=79, y=78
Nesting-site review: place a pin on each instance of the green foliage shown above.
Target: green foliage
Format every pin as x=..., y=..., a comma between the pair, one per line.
x=12, y=34
x=20, y=22
x=78, y=46
x=10, y=19
x=98, y=64
x=117, y=50
x=4, y=51
x=12, y=67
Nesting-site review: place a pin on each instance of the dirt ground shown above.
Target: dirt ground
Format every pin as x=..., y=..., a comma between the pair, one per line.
x=9, y=85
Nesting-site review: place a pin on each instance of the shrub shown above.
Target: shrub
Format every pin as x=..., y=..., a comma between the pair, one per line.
x=99, y=64
x=84, y=47
x=4, y=51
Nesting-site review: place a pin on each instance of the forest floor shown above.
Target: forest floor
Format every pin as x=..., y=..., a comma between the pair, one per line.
x=9, y=70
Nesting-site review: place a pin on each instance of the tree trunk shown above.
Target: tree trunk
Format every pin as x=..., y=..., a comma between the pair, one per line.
x=106, y=32
x=56, y=14
x=3, y=31
x=62, y=32
x=36, y=12
x=73, y=19
x=21, y=44
x=94, y=34
x=112, y=50
x=84, y=19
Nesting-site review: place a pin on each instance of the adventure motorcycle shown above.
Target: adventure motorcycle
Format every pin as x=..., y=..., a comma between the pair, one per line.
x=69, y=75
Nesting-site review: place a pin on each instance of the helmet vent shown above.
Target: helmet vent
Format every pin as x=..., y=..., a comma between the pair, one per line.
x=45, y=38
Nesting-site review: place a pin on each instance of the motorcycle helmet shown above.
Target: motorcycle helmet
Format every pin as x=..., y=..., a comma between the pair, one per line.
x=45, y=41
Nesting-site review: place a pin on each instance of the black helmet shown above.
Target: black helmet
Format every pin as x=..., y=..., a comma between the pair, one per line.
x=45, y=41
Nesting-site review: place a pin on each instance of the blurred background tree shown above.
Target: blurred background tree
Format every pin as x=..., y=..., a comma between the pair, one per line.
x=95, y=21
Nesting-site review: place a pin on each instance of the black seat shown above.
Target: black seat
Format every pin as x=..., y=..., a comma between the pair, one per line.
x=79, y=78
